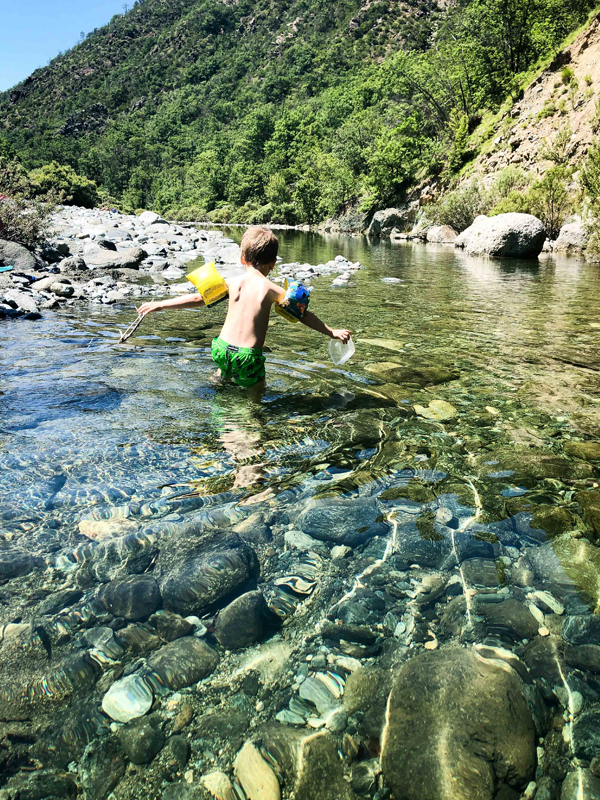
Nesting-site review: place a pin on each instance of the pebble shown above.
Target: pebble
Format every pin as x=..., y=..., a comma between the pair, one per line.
x=255, y=776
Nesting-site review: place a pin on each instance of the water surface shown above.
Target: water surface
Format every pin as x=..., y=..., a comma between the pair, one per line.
x=483, y=492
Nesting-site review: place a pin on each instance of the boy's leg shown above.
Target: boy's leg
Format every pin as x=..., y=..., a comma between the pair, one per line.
x=256, y=392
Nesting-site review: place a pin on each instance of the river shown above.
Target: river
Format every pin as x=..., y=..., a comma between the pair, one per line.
x=447, y=477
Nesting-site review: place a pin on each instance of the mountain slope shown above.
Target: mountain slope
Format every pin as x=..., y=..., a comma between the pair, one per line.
x=288, y=111
x=563, y=100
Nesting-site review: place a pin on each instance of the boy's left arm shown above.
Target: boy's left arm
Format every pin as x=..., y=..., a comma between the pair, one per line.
x=314, y=323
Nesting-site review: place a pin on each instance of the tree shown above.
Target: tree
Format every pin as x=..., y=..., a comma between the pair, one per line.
x=68, y=187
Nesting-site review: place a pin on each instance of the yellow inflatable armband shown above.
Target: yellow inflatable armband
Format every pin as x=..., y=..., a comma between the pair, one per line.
x=209, y=283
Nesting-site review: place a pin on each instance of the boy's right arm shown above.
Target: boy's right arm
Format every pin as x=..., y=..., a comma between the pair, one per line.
x=185, y=301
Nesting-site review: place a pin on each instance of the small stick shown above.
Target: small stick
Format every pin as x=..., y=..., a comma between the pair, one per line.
x=131, y=329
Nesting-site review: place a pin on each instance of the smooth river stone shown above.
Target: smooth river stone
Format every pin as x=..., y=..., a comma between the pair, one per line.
x=183, y=662
x=127, y=699
x=133, y=598
x=456, y=726
x=242, y=622
x=342, y=521
x=254, y=774
x=98, y=529
x=195, y=578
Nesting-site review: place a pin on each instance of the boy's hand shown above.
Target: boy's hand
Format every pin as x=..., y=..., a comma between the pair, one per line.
x=341, y=334
x=146, y=308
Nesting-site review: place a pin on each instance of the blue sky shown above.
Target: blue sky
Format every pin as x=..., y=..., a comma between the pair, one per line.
x=34, y=31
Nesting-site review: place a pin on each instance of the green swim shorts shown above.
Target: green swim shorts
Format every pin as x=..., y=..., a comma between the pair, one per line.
x=246, y=365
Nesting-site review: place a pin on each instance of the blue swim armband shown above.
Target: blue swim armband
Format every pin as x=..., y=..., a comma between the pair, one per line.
x=293, y=304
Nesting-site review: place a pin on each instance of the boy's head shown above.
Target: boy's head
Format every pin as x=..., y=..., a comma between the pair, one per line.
x=259, y=248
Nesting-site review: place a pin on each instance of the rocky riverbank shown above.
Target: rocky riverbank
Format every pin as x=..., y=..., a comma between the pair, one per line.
x=103, y=257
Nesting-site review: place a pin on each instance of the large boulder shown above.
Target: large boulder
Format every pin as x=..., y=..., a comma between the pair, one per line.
x=573, y=237
x=384, y=221
x=96, y=256
x=16, y=255
x=150, y=218
x=457, y=725
x=513, y=235
x=441, y=234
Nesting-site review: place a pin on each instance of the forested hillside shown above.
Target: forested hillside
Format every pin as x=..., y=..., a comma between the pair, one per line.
x=289, y=111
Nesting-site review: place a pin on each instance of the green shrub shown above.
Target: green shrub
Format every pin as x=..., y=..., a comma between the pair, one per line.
x=68, y=187
x=515, y=201
x=460, y=207
x=567, y=75
x=550, y=199
x=548, y=110
x=23, y=217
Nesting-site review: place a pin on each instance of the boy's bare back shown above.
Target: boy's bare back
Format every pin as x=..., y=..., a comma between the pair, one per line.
x=251, y=296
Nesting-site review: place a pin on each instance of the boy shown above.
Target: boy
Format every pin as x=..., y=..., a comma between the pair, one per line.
x=238, y=350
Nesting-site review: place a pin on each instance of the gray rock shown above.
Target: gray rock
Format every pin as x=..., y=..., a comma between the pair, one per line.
x=514, y=235
x=580, y=785
x=75, y=266
x=583, y=656
x=197, y=575
x=100, y=257
x=100, y=769
x=115, y=296
x=454, y=707
x=61, y=289
x=134, y=597
x=170, y=626
x=41, y=785
x=582, y=629
x=441, y=234
x=15, y=563
x=573, y=237
x=17, y=255
x=183, y=662
x=383, y=221
x=342, y=521
x=142, y=739
x=150, y=218
x=242, y=622
x=23, y=300
x=44, y=284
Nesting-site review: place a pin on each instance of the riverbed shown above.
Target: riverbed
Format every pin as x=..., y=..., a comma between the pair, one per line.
x=397, y=556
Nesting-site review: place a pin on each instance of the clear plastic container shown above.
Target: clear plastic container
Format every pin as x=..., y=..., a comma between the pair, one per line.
x=340, y=353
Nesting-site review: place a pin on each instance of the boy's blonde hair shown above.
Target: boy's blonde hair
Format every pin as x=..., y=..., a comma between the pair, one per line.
x=259, y=246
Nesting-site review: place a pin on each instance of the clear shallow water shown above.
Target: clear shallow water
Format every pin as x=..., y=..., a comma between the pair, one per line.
x=482, y=496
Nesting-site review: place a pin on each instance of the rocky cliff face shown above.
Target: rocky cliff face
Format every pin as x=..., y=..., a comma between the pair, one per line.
x=566, y=95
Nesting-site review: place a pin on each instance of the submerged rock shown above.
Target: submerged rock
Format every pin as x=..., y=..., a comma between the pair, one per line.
x=580, y=784
x=127, y=699
x=309, y=761
x=242, y=622
x=197, y=575
x=254, y=774
x=15, y=563
x=142, y=739
x=343, y=521
x=570, y=569
x=183, y=662
x=101, y=768
x=457, y=725
x=133, y=598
